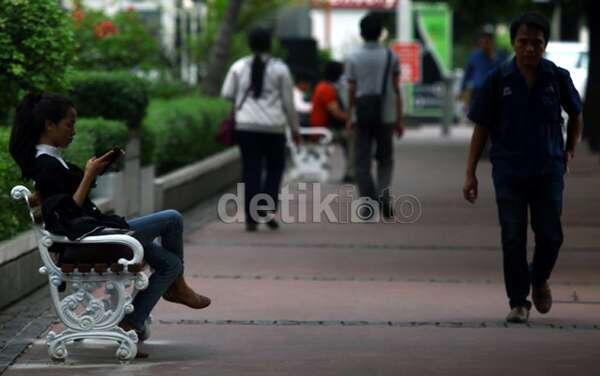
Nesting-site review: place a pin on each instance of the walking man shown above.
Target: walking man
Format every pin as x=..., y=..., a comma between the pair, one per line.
x=374, y=92
x=481, y=61
x=519, y=107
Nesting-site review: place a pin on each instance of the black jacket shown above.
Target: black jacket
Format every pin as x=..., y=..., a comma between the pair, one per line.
x=61, y=214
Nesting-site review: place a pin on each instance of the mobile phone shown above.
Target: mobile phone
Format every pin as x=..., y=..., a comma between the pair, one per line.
x=115, y=154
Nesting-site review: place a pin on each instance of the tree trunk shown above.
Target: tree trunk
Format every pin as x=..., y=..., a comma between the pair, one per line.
x=591, y=110
x=219, y=56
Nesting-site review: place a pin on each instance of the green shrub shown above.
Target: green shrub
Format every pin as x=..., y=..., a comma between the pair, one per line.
x=110, y=95
x=36, y=48
x=95, y=137
x=13, y=214
x=168, y=89
x=184, y=130
x=118, y=42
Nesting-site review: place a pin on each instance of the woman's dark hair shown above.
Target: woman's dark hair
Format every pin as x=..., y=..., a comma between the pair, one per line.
x=30, y=121
x=333, y=71
x=371, y=27
x=259, y=40
x=533, y=20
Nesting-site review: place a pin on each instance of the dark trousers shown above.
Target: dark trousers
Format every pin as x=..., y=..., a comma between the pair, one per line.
x=263, y=162
x=382, y=138
x=542, y=195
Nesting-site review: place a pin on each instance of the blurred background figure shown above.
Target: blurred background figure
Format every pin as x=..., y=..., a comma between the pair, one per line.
x=481, y=61
x=328, y=110
x=261, y=88
x=302, y=103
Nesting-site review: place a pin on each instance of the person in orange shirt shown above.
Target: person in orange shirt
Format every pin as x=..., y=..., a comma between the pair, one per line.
x=328, y=111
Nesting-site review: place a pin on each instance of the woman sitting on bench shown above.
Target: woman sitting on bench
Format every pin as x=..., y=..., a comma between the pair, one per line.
x=44, y=124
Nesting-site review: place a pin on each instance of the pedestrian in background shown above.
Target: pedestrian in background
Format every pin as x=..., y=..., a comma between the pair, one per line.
x=374, y=111
x=480, y=63
x=328, y=111
x=519, y=107
x=302, y=102
x=261, y=88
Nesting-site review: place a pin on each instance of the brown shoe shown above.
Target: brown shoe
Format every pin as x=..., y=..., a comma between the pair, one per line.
x=542, y=297
x=180, y=292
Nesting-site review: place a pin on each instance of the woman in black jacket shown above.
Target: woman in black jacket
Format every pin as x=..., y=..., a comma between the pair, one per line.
x=44, y=124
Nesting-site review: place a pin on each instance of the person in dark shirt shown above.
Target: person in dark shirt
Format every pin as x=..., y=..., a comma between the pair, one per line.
x=480, y=63
x=519, y=108
x=44, y=124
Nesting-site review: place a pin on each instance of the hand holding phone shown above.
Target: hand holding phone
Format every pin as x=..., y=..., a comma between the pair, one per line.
x=111, y=157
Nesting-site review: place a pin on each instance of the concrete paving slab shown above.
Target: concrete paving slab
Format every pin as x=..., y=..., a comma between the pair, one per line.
x=339, y=261
x=238, y=299
x=305, y=350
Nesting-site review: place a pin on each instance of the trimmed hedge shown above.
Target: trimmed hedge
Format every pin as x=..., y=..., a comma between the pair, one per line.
x=184, y=130
x=168, y=89
x=110, y=95
x=13, y=214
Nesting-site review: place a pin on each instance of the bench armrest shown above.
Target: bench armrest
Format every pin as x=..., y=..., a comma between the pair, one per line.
x=126, y=240
x=327, y=135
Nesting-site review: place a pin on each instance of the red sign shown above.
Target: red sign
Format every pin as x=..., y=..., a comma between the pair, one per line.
x=409, y=54
x=355, y=4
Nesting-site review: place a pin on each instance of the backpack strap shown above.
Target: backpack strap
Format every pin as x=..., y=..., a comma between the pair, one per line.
x=386, y=71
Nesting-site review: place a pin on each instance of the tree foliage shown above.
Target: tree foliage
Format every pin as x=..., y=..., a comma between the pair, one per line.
x=119, y=42
x=36, y=48
x=251, y=13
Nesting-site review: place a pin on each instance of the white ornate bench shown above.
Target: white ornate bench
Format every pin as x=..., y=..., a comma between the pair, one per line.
x=96, y=296
x=310, y=161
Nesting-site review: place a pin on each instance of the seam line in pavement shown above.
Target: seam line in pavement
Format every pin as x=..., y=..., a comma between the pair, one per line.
x=370, y=279
x=398, y=324
x=392, y=247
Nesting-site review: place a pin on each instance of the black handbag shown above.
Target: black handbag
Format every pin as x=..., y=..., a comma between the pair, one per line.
x=369, y=108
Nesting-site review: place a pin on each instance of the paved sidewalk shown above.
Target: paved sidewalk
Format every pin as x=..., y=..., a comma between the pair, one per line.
x=424, y=298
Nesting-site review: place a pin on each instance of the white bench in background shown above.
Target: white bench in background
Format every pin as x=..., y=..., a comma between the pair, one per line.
x=310, y=161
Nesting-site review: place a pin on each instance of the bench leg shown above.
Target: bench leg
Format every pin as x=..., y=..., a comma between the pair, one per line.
x=127, y=350
x=92, y=310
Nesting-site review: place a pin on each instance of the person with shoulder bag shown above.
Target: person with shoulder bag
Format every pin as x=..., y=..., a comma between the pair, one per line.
x=261, y=88
x=374, y=112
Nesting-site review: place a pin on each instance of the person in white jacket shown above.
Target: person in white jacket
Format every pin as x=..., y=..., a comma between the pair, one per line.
x=261, y=88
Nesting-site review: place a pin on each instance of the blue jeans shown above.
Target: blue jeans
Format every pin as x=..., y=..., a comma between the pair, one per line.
x=542, y=195
x=164, y=256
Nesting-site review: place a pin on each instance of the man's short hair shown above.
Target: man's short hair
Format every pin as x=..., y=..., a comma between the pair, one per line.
x=371, y=27
x=532, y=20
x=487, y=30
x=303, y=75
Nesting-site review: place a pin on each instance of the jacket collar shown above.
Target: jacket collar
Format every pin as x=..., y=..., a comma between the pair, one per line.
x=545, y=67
x=372, y=45
x=51, y=151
